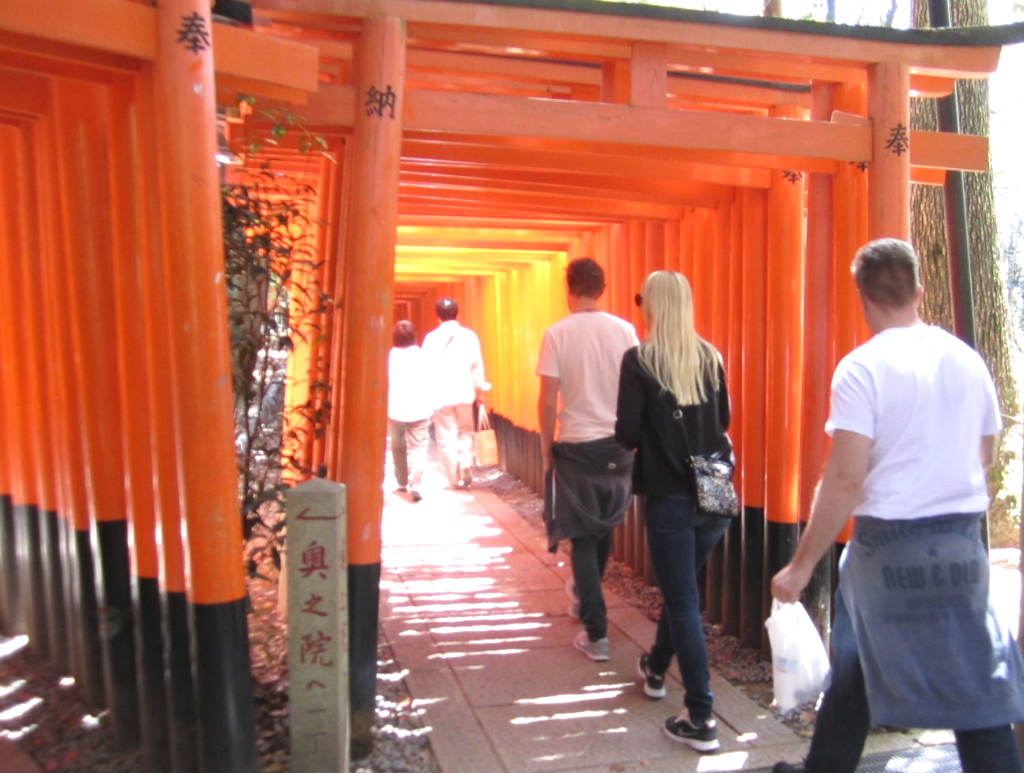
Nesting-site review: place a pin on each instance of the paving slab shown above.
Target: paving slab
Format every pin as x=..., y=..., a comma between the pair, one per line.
x=734, y=708
x=475, y=609
x=589, y=730
x=543, y=674
x=14, y=760
x=459, y=741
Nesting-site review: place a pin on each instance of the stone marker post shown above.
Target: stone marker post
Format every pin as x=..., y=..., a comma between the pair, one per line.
x=318, y=627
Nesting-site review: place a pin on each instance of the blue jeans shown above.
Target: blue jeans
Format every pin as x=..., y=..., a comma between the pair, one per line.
x=844, y=719
x=589, y=558
x=680, y=540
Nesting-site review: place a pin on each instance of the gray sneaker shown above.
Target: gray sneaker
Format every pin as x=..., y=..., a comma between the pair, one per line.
x=595, y=650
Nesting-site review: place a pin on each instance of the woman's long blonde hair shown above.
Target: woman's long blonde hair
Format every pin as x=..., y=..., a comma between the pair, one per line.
x=681, y=362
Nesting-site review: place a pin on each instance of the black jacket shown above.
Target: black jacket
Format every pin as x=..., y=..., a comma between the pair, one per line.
x=587, y=490
x=650, y=421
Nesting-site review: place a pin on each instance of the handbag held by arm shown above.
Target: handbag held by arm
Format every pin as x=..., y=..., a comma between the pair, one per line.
x=713, y=482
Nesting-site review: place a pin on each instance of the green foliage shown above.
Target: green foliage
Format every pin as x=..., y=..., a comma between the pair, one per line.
x=270, y=255
x=282, y=123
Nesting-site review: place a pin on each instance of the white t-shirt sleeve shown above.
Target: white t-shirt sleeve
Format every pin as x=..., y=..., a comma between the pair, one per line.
x=547, y=360
x=476, y=362
x=853, y=400
x=992, y=423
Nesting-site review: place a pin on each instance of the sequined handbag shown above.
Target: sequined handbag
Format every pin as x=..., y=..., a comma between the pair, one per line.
x=713, y=481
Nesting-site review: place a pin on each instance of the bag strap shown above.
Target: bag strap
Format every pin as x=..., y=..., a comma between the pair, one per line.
x=677, y=414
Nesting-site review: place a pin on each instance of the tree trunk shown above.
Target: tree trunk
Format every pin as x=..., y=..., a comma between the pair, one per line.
x=992, y=322
x=990, y=309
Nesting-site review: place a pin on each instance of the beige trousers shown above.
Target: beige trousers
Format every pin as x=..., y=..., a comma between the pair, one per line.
x=453, y=428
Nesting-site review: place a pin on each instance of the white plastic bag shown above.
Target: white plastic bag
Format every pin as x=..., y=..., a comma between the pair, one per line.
x=799, y=661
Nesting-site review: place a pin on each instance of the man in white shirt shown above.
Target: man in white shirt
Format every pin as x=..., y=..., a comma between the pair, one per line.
x=587, y=473
x=915, y=643
x=457, y=366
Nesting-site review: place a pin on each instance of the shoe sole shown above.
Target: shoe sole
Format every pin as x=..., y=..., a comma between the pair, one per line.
x=651, y=692
x=592, y=655
x=694, y=743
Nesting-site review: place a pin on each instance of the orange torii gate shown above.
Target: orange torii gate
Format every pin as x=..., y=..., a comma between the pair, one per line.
x=755, y=155
x=120, y=509
x=481, y=146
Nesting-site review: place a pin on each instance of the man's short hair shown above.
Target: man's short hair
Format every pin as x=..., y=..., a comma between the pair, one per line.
x=887, y=272
x=585, y=278
x=403, y=334
x=446, y=309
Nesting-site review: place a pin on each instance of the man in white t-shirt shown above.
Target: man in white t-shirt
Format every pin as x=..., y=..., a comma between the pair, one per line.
x=915, y=643
x=587, y=473
x=457, y=370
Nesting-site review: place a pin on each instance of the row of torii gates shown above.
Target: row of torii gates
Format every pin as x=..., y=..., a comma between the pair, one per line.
x=479, y=147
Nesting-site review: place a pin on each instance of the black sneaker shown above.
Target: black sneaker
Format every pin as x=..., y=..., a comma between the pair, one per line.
x=654, y=684
x=701, y=736
x=787, y=767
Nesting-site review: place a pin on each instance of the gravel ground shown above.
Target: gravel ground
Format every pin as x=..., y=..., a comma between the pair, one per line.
x=47, y=716
x=61, y=732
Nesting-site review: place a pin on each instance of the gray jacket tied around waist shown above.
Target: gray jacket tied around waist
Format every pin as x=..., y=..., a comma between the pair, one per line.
x=587, y=490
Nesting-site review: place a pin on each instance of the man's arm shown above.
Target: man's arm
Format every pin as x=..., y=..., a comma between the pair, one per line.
x=837, y=494
x=476, y=368
x=547, y=409
x=988, y=450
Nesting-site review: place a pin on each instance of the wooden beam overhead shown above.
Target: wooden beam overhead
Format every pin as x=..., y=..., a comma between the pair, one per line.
x=565, y=193
x=521, y=155
x=247, y=54
x=763, y=142
x=671, y=192
x=483, y=84
x=469, y=255
x=128, y=29
x=550, y=226
x=24, y=94
x=520, y=68
x=736, y=94
x=743, y=64
x=552, y=203
x=931, y=86
x=517, y=22
x=594, y=122
x=469, y=209
x=112, y=26
x=533, y=244
x=606, y=123
x=49, y=57
x=944, y=150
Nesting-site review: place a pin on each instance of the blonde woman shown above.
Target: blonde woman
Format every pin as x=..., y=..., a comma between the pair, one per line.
x=673, y=403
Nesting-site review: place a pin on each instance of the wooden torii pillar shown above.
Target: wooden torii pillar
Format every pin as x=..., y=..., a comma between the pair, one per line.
x=889, y=173
x=369, y=244
x=197, y=308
